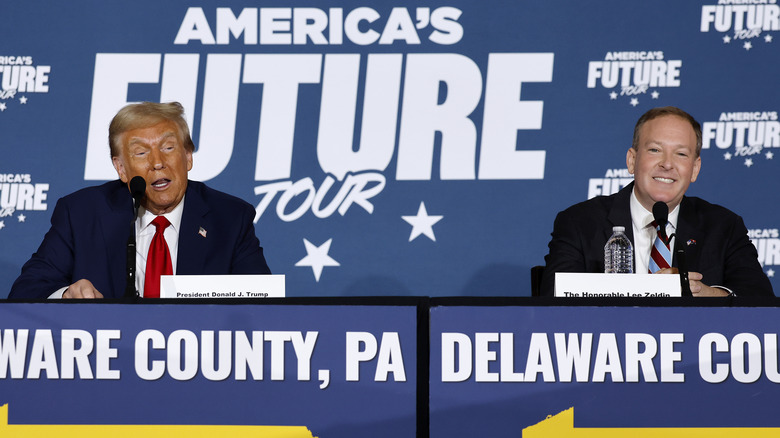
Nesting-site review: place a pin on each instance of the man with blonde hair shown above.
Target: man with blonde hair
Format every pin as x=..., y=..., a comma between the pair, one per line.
x=183, y=227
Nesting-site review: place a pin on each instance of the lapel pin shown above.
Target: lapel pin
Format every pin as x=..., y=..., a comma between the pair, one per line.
x=202, y=232
x=689, y=242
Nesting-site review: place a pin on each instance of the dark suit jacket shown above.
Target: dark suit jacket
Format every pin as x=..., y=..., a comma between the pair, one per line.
x=714, y=239
x=90, y=229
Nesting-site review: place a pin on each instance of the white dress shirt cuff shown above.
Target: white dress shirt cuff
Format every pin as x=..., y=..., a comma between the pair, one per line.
x=58, y=294
x=731, y=292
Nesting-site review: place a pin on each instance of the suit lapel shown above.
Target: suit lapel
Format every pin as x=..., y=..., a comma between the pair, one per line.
x=192, y=244
x=115, y=229
x=688, y=235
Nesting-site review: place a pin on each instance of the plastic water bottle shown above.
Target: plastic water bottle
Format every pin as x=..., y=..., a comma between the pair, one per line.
x=618, y=253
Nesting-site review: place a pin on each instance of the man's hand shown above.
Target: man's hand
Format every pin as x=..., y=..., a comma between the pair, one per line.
x=698, y=289
x=82, y=289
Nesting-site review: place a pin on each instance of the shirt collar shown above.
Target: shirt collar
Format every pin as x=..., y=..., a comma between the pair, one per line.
x=174, y=216
x=642, y=217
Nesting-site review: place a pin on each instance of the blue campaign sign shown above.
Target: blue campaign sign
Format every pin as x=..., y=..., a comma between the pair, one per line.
x=392, y=148
x=334, y=370
x=498, y=371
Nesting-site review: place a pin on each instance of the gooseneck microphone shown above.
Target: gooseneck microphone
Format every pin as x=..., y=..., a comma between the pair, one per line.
x=661, y=216
x=682, y=267
x=137, y=190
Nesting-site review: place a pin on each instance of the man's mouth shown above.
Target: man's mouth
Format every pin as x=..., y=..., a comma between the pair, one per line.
x=663, y=180
x=161, y=183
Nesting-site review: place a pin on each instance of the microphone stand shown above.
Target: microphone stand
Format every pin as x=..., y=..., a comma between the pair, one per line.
x=682, y=268
x=130, y=290
x=137, y=189
x=661, y=217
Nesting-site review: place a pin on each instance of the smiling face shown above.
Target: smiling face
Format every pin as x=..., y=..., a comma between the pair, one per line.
x=157, y=154
x=664, y=162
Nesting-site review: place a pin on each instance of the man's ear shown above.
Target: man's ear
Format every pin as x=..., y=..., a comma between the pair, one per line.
x=189, y=161
x=120, y=168
x=696, y=169
x=631, y=160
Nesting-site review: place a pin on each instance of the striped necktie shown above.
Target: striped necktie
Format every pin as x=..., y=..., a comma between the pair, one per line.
x=660, y=256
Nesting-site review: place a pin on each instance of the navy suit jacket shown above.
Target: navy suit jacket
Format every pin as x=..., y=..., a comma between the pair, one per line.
x=90, y=229
x=714, y=239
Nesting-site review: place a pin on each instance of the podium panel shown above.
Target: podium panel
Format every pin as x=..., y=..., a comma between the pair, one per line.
x=538, y=371
x=331, y=370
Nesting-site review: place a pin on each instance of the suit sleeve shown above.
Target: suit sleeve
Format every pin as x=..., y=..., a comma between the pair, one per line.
x=51, y=267
x=742, y=272
x=248, y=254
x=566, y=251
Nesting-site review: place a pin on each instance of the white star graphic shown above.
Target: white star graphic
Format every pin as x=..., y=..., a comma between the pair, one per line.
x=422, y=223
x=655, y=94
x=23, y=100
x=726, y=39
x=770, y=273
x=22, y=217
x=769, y=155
x=768, y=38
x=748, y=162
x=2, y=106
x=748, y=45
x=2, y=225
x=317, y=258
x=612, y=95
x=727, y=155
x=634, y=101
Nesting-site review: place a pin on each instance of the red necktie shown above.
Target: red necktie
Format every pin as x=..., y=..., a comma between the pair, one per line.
x=660, y=256
x=158, y=260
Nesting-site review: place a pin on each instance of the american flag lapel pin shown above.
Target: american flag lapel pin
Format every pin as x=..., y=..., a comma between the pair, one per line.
x=691, y=242
x=202, y=232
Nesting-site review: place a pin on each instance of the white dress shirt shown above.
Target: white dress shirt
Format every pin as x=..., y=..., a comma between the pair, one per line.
x=144, y=232
x=644, y=233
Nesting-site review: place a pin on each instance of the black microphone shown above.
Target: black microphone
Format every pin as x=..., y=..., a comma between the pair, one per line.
x=661, y=216
x=137, y=190
x=682, y=268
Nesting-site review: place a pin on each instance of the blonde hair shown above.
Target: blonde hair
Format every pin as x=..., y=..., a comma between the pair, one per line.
x=144, y=115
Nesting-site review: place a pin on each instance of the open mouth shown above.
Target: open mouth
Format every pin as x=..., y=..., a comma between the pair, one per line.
x=663, y=180
x=161, y=183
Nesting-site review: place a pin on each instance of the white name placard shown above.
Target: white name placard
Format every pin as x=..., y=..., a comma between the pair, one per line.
x=584, y=285
x=222, y=286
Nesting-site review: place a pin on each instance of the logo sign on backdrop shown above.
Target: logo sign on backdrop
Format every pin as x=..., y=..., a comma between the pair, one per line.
x=742, y=23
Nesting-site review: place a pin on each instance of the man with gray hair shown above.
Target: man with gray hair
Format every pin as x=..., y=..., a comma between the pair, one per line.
x=183, y=226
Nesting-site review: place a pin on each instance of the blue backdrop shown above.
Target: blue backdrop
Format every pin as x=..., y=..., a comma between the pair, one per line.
x=391, y=148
